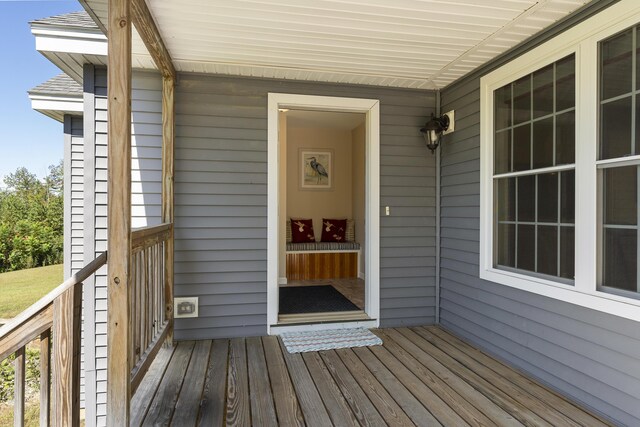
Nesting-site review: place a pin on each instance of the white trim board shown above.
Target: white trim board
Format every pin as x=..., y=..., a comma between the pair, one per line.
x=370, y=107
x=581, y=40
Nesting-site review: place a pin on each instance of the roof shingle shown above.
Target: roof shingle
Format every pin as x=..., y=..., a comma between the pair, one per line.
x=61, y=84
x=75, y=19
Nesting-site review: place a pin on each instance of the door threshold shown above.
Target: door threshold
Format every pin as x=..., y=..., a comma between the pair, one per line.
x=322, y=326
x=325, y=317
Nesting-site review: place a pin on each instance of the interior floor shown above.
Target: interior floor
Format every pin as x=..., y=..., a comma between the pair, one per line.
x=352, y=289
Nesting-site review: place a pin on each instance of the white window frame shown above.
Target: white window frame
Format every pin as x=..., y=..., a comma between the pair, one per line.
x=581, y=40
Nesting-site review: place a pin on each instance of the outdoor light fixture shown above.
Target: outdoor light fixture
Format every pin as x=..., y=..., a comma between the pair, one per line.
x=433, y=129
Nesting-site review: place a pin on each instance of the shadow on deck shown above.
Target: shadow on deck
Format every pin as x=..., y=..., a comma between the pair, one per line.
x=420, y=376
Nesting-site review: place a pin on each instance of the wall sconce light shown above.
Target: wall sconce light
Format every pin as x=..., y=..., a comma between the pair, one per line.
x=433, y=130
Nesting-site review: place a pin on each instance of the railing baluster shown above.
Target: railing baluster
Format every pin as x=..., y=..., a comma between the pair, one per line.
x=18, y=387
x=149, y=244
x=45, y=377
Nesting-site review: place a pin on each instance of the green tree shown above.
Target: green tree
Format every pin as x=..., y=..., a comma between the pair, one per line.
x=31, y=219
x=22, y=181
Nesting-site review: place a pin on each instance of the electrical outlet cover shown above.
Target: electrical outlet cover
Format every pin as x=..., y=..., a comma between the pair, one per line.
x=185, y=307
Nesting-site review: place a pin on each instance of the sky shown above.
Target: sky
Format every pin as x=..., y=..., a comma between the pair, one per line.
x=27, y=138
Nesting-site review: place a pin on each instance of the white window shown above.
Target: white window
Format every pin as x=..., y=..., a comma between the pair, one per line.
x=560, y=166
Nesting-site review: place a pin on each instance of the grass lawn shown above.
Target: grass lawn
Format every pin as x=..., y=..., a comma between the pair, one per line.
x=20, y=289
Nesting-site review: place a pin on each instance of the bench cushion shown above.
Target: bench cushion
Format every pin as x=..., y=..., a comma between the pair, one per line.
x=350, y=235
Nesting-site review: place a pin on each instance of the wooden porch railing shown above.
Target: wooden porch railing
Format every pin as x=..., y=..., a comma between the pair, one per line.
x=149, y=325
x=55, y=317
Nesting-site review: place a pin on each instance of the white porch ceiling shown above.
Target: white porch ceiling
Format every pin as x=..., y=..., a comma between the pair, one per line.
x=401, y=43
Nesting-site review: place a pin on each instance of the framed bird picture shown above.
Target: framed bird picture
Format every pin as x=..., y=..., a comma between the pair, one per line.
x=316, y=169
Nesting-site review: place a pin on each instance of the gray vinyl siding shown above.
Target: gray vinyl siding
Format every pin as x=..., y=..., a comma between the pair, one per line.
x=73, y=210
x=588, y=355
x=74, y=194
x=221, y=202
x=146, y=188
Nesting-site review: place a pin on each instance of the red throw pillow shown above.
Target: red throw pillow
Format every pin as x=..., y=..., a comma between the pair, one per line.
x=334, y=230
x=302, y=231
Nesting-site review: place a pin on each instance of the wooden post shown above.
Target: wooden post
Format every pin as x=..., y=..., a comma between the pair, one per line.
x=119, y=212
x=66, y=349
x=18, y=387
x=168, y=128
x=45, y=377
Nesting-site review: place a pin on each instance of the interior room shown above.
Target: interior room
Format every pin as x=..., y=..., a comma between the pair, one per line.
x=322, y=204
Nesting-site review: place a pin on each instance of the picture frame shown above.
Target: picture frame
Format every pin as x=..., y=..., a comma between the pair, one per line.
x=316, y=169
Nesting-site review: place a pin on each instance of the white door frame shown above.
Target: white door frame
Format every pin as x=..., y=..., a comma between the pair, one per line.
x=370, y=107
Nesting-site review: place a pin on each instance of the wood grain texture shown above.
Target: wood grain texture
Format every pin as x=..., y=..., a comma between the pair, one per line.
x=254, y=381
x=467, y=393
x=151, y=37
x=262, y=406
x=488, y=387
x=19, y=387
x=119, y=212
x=315, y=414
x=164, y=402
x=337, y=406
x=381, y=399
x=364, y=410
x=168, y=166
x=412, y=407
x=287, y=406
x=21, y=335
x=539, y=391
x=187, y=406
x=321, y=265
x=212, y=404
x=426, y=395
x=146, y=391
x=45, y=377
x=238, y=406
x=457, y=403
x=66, y=361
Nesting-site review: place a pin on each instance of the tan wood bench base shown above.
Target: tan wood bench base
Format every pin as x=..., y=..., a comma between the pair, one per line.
x=322, y=265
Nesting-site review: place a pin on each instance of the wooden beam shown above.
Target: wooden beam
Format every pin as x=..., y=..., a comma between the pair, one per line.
x=119, y=212
x=168, y=138
x=148, y=30
x=66, y=348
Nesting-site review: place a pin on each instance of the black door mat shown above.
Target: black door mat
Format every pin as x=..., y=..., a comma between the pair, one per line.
x=313, y=299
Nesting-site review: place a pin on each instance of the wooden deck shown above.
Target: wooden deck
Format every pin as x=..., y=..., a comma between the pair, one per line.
x=420, y=376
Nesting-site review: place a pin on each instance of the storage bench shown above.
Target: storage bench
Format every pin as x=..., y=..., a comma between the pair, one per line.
x=323, y=260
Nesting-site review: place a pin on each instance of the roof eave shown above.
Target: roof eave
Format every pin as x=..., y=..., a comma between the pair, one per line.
x=57, y=106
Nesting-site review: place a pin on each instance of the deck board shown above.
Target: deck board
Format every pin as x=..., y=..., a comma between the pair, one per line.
x=238, y=409
x=262, y=407
x=420, y=376
x=164, y=401
x=534, y=388
x=186, y=411
x=212, y=404
x=287, y=406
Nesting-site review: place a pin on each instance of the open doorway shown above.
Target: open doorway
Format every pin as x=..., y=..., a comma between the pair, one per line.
x=323, y=174
x=322, y=197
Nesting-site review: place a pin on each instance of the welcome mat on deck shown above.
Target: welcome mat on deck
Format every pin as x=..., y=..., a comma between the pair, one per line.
x=300, y=342
x=313, y=299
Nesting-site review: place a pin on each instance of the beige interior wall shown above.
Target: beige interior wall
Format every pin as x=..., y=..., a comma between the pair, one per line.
x=318, y=204
x=282, y=196
x=358, y=187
